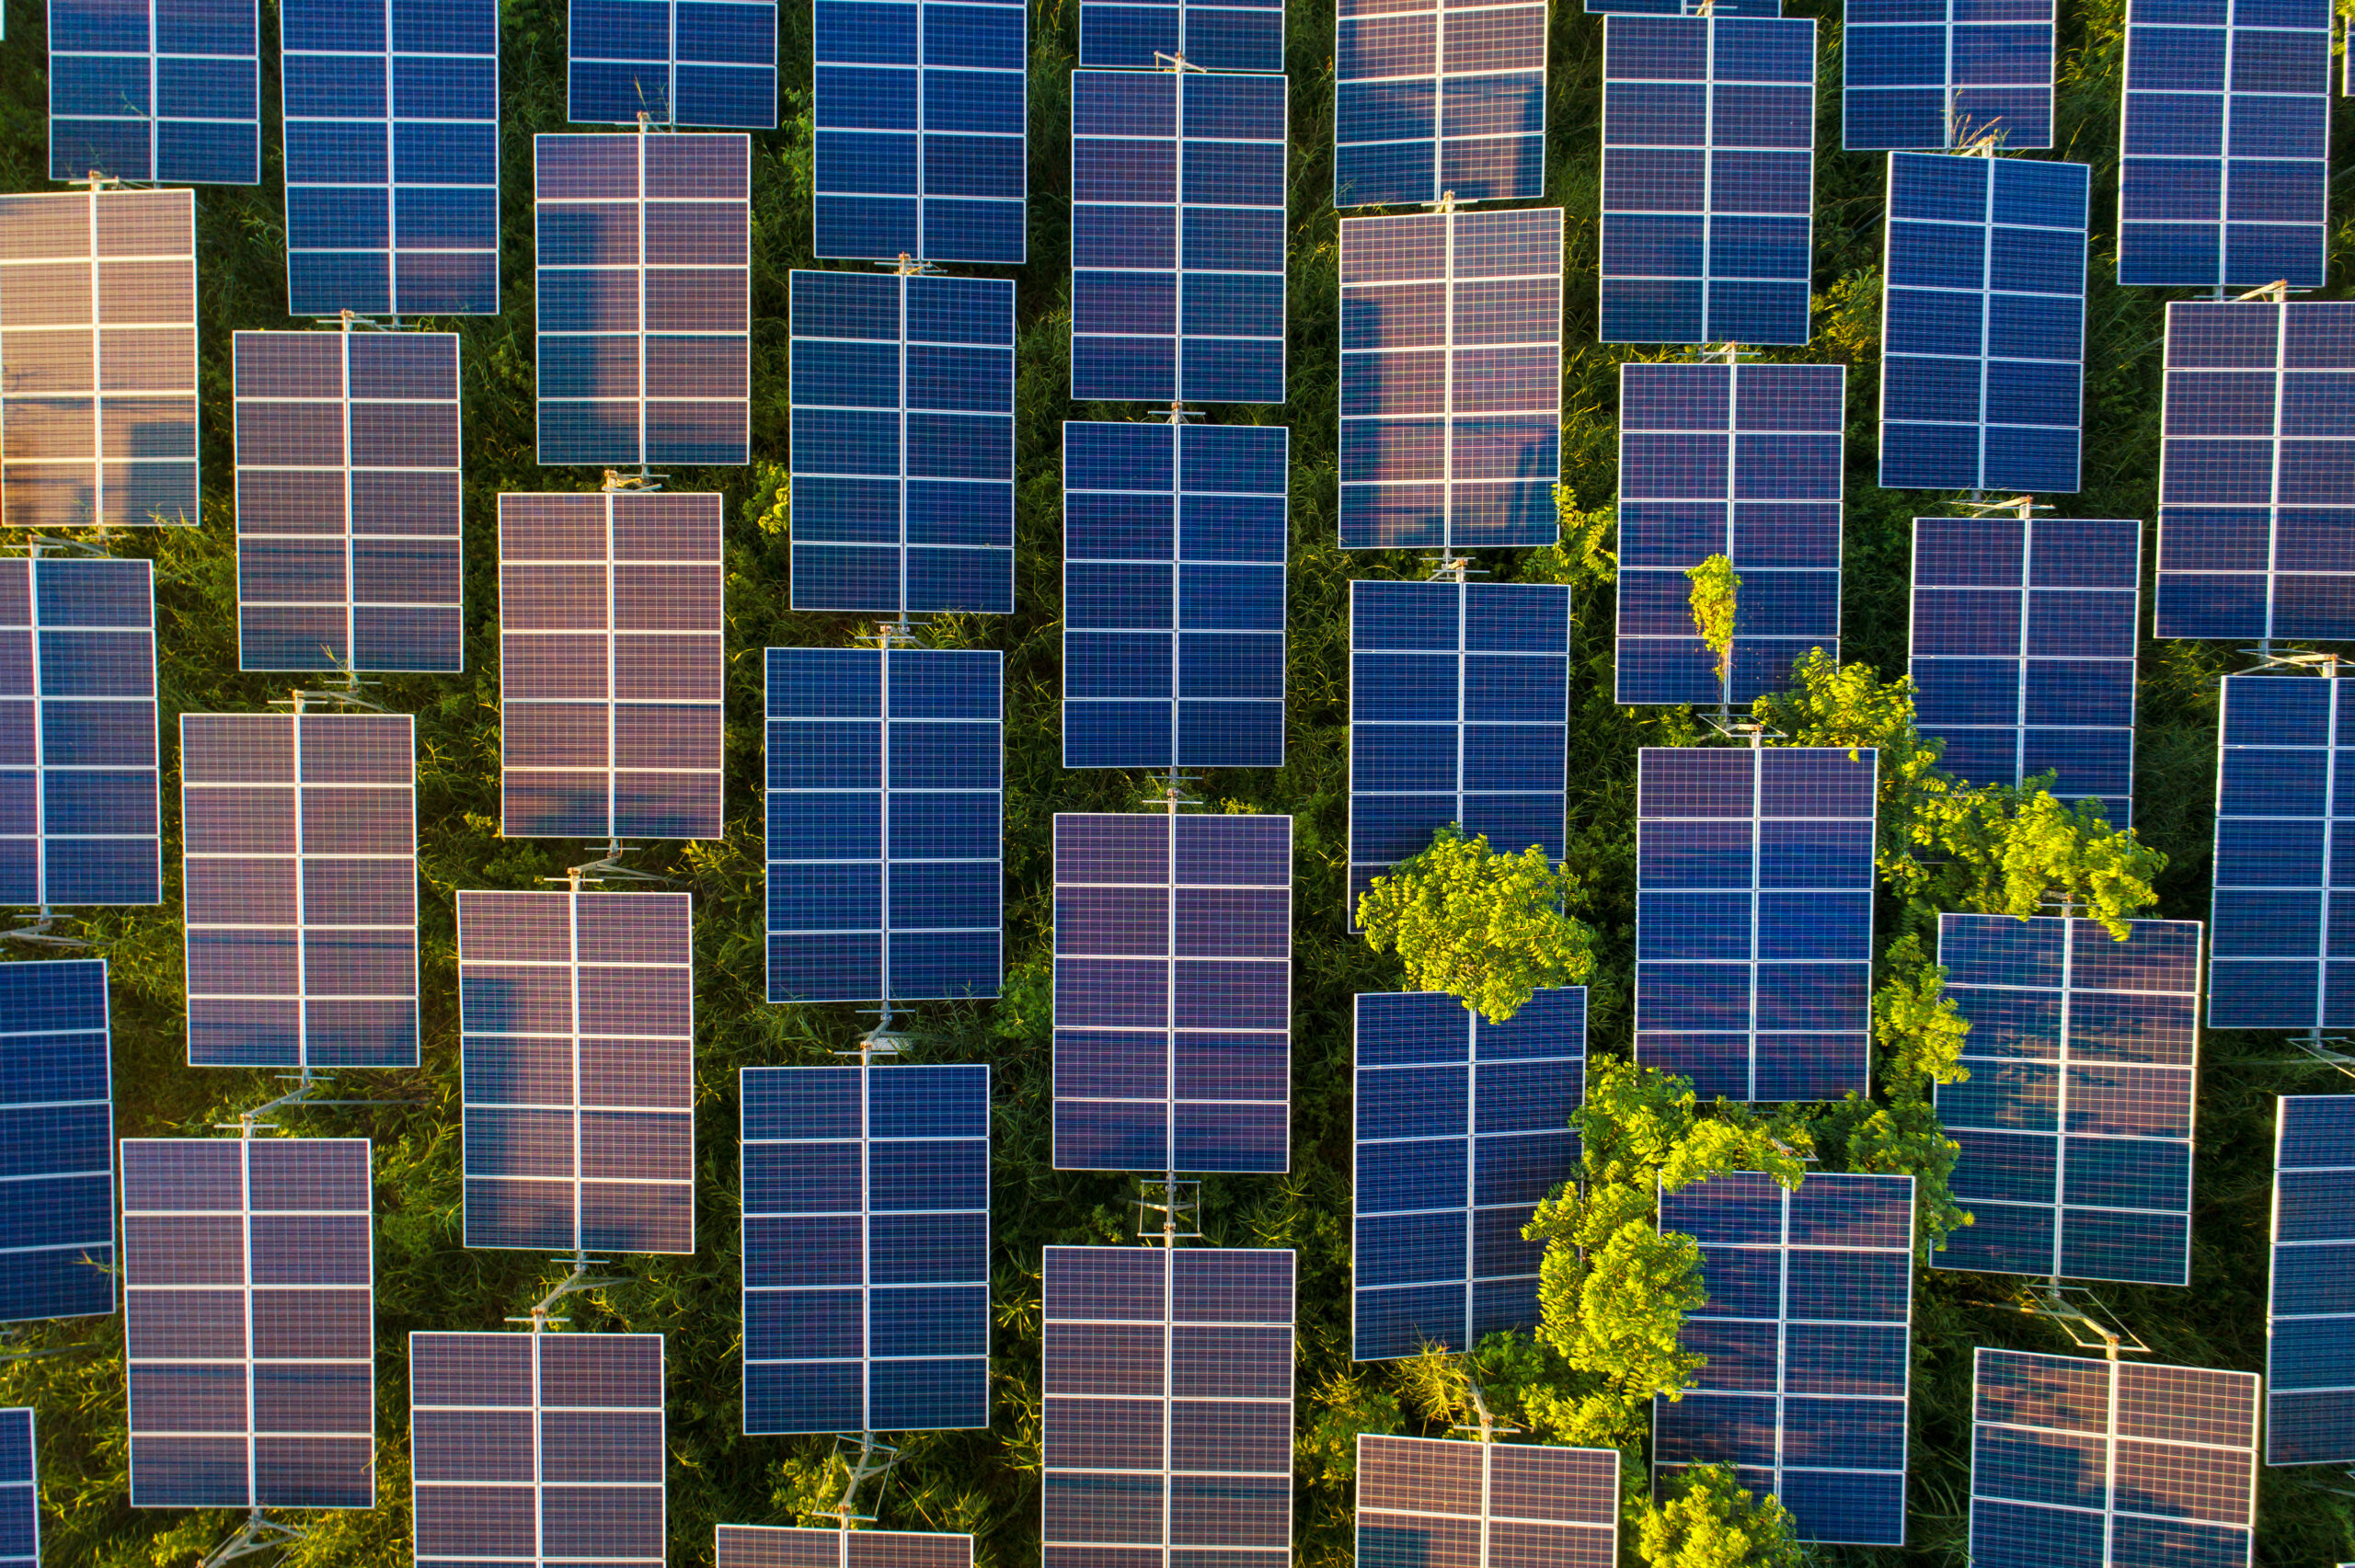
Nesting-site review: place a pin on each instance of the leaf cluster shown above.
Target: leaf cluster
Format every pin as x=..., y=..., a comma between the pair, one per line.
x=1486, y=928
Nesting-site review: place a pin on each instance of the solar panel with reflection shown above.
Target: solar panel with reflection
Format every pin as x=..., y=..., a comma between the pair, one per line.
x=675, y=62
x=1937, y=74
x=2309, y=1351
x=19, y=1491
x=56, y=1141
x=780, y=1546
x=1430, y=98
x=169, y=91
x=1427, y=1500
x=1228, y=35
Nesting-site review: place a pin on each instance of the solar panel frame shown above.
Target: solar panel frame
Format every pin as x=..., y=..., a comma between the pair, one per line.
x=57, y=1103
x=1485, y=1505
x=2309, y=1357
x=1229, y=34
x=780, y=1546
x=174, y=97
x=1945, y=74
x=19, y=1491
x=716, y=61
x=1431, y=99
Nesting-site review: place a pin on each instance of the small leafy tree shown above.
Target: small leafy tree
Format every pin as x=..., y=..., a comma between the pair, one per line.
x=1488, y=929
x=1708, y=1520
x=1712, y=600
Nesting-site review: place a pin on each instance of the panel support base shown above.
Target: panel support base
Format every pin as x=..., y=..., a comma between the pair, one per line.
x=261, y=1533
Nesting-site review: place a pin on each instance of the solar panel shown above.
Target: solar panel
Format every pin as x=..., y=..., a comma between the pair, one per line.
x=578, y=1018
x=1939, y=73
x=1167, y=1416
x=19, y=1491
x=537, y=1449
x=1463, y=1125
x=1178, y=237
x=611, y=666
x=2075, y=1460
x=99, y=339
x=1982, y=324
x=250, y=1323
x=1739, y=460
x=1755, y=918
x=1450, y=380
x=2023, y=650
x=675, y=62
x=1231, y=35
x=644, y=293
x=167, y=92
x=2223, y=163
x=1807, y=1334
x=1430, y=99
x=1173, y=994
x=351, y=553
x=1174, y=543
x=886, y=797
x=56, y=1141
x=392, y=157
x=778, y=1546
x=1427, y=1500
x=866, y=1248
x=2256, y=469
x=903, y=394
x=1708, y=179
x=921, y=118
x=78, y=804
x=2309, y=1356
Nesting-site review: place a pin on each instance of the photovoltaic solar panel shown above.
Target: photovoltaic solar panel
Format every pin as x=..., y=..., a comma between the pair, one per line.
x=866, y=1248
x=611, y=666
x=2309, y=1355
x=2256, y=472
x=2223, y=167
x=675, y=62
x=1450, y=380
x=99, y=339
x=19, y=1491
x=1173, y=994
x=1230, y=35
x=1755, y=918
x=56, y=1141
x=250, y=1323
x=1178, y=237
x=169, y=91
x=1982, y=324
x=1939, y=73
x=1708, y=179
x=299, y=858
x=1463, y=1125
x=1168, y=1419
x=2077, y=1460
x=350, y=547
x=902, y=444
x=392, y=156
x=1806, y=1333
x=778, y=1545
x=886, y=797
x=1738, y=460
x=1430, y=98
x=1423, y=1501
x=1174, y=544
x=540, y=1451
x=921, y=123
x=644, y=293
x=578, y=1019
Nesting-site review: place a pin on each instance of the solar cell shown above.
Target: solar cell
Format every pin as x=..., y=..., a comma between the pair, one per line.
x=169, y=91
x=1739, y=460
x=1231, y=35
x=2023, y=650
x=2256, y=469
x=866, y=1248
x=1174, y=543
x=250, y=1323
x=1450, y=380
x=1982, y=324
x=903, y=394
x=1708, y=179
x=538, y=1450
x=577, y=1012
x=1426, y=1500
x=392, y=156
x=1806, y=1333
x=1755, y=918
x=610, y=664
x=920, y=116
x=1431, y=99
x=886, y=797
x=1173, y=994
x=644, y=293
x=2309, y=1356
x=1167, y=1416
x=675, y=62
x=99, y=339
x=1463, y=1125
x=19, y=1491
x=1178, y=237
x=778, y=1546
x=1939, y=73
x=56, y=1141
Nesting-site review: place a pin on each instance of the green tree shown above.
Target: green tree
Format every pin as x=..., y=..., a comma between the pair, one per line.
x=1488, y=929
x=1709, y=1520
x=1712, y=599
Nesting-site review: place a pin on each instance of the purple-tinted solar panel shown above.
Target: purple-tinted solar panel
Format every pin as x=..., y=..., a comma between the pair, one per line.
x=1427, y=1502
x=780, y=1546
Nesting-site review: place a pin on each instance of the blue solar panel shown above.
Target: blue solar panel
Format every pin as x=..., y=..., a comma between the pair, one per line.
x=2256, y=472
x=866, y=1248
x=781, y=1546
x=920, y=124
x=903, y=444
x=1173, y=994
x=56, y=1141
x=885, y=798
x=1755, y=918
x=1936, y=74
x=1463, y=1125
x=675, y=62
x=2023, y=651
x=167, y=91
x=1178, y=237
x=19, y=1491
x=1432, y=1500
x=1450, y=380
x=392, y=156
x=1709, y=180
x=1229, y=34
x=1738, y=460
x=1982, y=324
x=2310, y=1311
x=1430, y=98
x=1174, y=541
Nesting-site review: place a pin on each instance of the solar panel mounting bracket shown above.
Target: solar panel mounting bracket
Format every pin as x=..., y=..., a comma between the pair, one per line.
x=1742, y=731
x=606, y=867
x=645, y=481
x=908, y=266
x=1486, y=1425
x=1979, y=504
x=1177, y=414
x=2080, y=1314
x=864, y=1459
x=1165, y=61
x=305, y=1093
x=2276, y=292
x=2298, y=662
x=543, y=1315
x=38, y=933
x=1179, y=1203
x=260, y=1533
